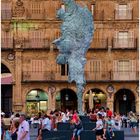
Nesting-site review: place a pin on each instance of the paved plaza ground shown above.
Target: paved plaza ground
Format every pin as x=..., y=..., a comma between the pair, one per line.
x=127, y=132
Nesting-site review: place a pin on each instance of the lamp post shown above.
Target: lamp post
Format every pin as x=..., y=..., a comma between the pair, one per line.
x=124, y=99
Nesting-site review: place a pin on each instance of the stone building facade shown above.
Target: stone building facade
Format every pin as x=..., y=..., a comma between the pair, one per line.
x=33, y=82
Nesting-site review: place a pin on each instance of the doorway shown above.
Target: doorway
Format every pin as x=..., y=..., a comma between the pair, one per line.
x=124, y=101
x=68, y=99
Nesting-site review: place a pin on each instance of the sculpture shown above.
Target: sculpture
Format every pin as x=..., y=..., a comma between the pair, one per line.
x=77, y=33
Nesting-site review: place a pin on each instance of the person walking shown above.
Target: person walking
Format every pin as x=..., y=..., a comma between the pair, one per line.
x=23, y=130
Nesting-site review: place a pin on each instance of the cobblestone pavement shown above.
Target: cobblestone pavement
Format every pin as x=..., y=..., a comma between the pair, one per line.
x=127, y=132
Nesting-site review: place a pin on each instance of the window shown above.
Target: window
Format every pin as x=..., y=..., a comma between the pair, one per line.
x=123, y=11
x=36, y=38
x=64, y=70
x=36, y=10
x=123, y=66
x=6, y=39
x=63, y=6
x=123, y=39
x=6, y=10
x=37, y=70
x=92, y=8
x=124, y=69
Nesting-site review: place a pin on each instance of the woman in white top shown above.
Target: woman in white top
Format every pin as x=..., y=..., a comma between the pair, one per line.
x=99, y=127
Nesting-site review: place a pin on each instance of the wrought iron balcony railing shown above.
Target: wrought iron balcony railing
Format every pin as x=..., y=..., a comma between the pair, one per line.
x=129, y=43
x=89, y=75
x=99, y=43
x=123, y=14
x=6, y=14
x=36, y=43
x=7, y=43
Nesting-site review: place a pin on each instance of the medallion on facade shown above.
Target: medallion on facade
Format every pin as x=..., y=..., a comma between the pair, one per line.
x=110, y=89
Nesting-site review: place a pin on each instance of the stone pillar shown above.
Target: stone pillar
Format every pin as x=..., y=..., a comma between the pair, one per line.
x=137, y=106
x=51, y=98
x=17, y=100
x=49, y=102
x=110, y=103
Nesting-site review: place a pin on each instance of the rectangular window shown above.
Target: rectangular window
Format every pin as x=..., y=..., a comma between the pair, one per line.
x=123, y=11
x=92, y=8
x=63, y=6
x=36, y=10
x=124, y=70
x=123, y=39
x=64, y=69
x=6, y=10
x=6, y=39
x=37, y=70
x=36, y=38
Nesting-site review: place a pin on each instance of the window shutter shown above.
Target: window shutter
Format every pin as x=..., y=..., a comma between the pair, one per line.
x=115, y=70
x=131, y=39
x=133, y=69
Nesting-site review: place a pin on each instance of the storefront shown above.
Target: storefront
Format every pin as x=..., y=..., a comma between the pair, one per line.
x=36, y=101
x=94, y=98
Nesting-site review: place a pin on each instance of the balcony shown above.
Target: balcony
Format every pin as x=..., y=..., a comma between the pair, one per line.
x=7, y=43
x=129, y=43
x=99, y=43
x=36, y=43
x=36, y=14
x=6, y=14
x=123, y=14
x=43, y=76
x=28, y=76
x=125, y=75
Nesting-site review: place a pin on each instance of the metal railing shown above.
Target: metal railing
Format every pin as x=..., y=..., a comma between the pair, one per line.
x=6, y=43
x=37, y=43
x=99, y=43
x=89, y=75
x=6, y=14
x=123, y=14
x=130, y=43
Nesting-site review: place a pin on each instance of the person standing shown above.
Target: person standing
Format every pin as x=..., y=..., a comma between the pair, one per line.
x=99, y=127
x=23, y=130
x=14, y=130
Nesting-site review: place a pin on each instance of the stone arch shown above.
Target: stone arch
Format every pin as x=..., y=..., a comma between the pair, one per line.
x=36, y=100
x=89, y=102
x=124, y=101
x=8, y=65
x=66, y=98
x=132, y=91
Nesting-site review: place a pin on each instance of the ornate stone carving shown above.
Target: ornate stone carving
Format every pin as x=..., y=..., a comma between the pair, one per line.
x=19, y=42
x=6, y=26
x=19, y=9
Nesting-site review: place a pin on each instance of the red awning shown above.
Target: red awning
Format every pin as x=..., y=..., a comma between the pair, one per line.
x=6, y=79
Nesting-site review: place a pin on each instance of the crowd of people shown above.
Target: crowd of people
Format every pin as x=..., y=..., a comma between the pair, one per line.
x=17, y=127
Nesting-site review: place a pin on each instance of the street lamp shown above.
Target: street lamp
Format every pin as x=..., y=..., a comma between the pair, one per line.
x=124, y=97
x=66, y=97
x=95, y=97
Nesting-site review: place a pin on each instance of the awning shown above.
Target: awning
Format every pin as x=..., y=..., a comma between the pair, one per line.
x=6, y=79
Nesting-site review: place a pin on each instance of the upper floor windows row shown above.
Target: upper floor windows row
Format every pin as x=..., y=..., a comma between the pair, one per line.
x=43, y=39
x=46, y=10
x=125, y=69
